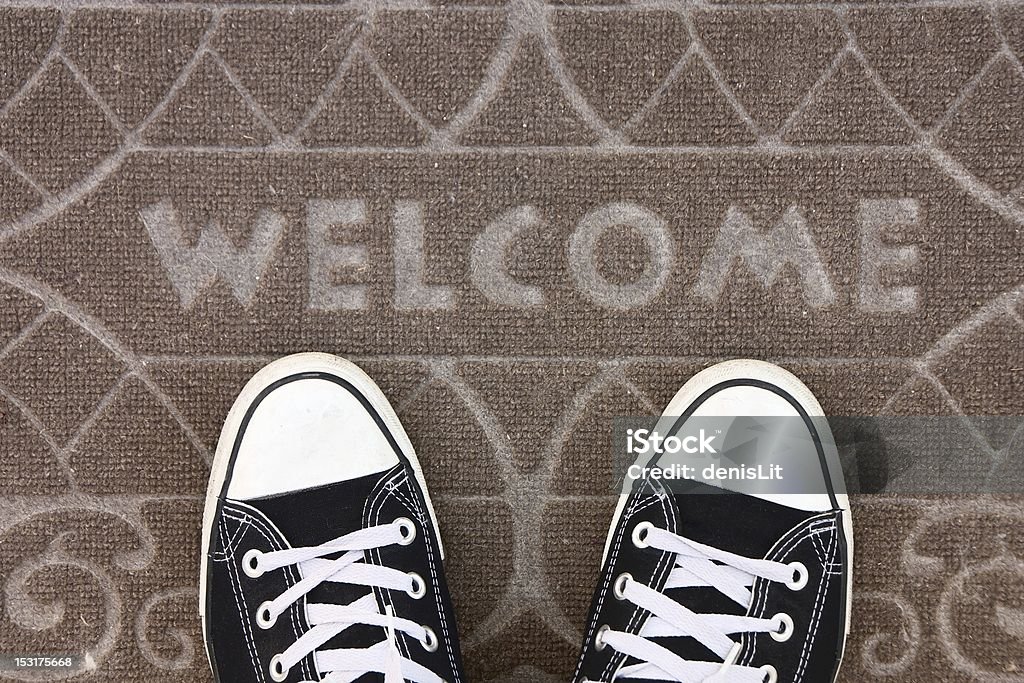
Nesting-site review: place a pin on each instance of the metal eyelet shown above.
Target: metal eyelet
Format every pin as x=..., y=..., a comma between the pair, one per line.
x=419, y=586
x=640, y=532
x=265, y=618
x=277, y=670
x=599, y=643
x=786, y=632
x=619, y=589
x=408, y=530
x=771, y=675
x=251, y=563
x=800, y=576
x=429, y=641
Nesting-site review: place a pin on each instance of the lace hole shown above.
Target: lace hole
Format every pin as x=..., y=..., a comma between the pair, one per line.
x=265, y=618
x=800, y=576
x=429, y=641
x=640, y=533
x=277, y=670
x=407, y=529
x=418, y=588
x=786, y=631
x=619, y=589
x=599, y=643
x=770, y=674
x=251, y=563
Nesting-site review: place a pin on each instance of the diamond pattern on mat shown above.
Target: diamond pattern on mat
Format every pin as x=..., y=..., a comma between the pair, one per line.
x=691, y=110
x=530, y=108
x=529, y=401
x=509, y=654
x=855, y=387
x=131, y=57
x=17, y=196
x=438, y=60
x=987, y=130
x=286, y=58
x=584, y=467
x=849, y=109
x=921, y=395
x=29, y=465
x=401, y=381
x=794, y=49
x=362, y=110
x=453, y=448
x=56, y=131
x=208, y=110
x=61, y=372
x=204, y=392
x=1012, y=21
x=478, y=537
x=26, y=35
x=572, y=542
x=986, y=375
x=17, y=310
x=925, y=55
x=610, y=80
x=136, y=446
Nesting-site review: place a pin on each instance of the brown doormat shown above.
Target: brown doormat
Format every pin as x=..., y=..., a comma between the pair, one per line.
x=521, y=219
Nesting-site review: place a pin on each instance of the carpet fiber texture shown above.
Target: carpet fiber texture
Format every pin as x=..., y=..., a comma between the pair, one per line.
x=522, y=219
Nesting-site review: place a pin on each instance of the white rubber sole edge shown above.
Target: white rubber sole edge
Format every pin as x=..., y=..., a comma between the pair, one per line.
x=277, y=370
x=772, y=374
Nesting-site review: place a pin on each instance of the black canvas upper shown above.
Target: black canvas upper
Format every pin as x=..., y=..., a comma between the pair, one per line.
x=241, y=651
x=743, y=525
x=308, y=518
x=762, y=530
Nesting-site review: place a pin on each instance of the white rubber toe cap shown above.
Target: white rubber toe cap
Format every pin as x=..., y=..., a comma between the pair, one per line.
x=306, y=433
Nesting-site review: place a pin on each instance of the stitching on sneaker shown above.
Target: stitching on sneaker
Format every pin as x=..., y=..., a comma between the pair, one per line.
x=819, y=601
x=612, y=558
x=236, y=537
x=243, y=610
x=812, y=527
x=411, y=503
x=259, y=525
x=371, y=517
x=437, y=592
x=418, y=513
x=384, y=489
x=662, y=569
x=801, y=532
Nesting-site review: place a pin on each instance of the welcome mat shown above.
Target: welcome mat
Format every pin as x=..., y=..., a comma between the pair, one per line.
x=522, y=219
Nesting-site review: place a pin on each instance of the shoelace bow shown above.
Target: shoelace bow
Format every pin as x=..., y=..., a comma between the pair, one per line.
x=696, y=565
x=326, y=621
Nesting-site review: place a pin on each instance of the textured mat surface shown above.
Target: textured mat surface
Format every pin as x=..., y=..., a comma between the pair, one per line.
x=521, y=219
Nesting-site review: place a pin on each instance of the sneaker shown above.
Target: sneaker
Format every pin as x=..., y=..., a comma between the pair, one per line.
x=729, y=582
x=321, y=553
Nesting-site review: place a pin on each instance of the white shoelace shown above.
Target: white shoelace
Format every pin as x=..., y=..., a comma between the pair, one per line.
x=698, y=565
x=327, y=621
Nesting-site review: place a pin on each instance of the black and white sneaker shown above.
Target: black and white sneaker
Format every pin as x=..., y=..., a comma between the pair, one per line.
x=321, y=553
x=740, y=585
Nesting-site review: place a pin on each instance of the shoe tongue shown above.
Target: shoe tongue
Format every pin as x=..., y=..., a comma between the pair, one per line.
x=736, y=523
x=739, y=524
x=315, y=516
